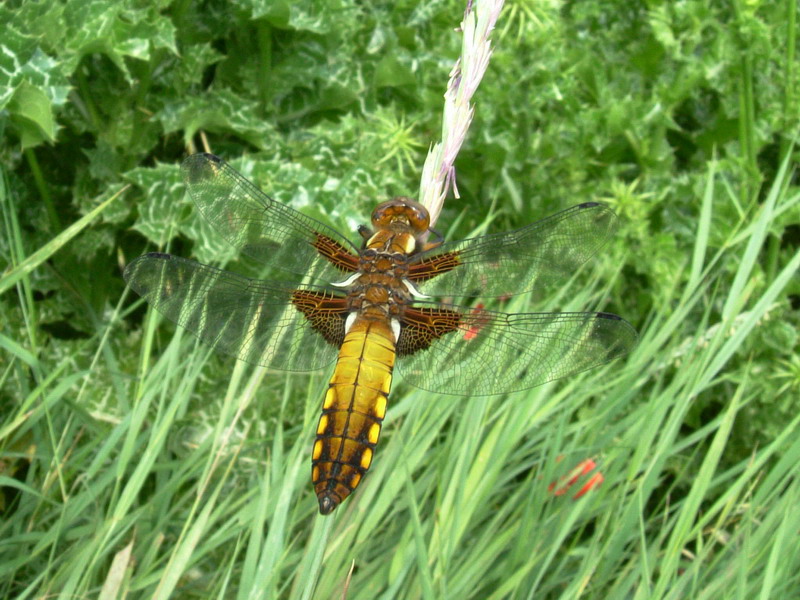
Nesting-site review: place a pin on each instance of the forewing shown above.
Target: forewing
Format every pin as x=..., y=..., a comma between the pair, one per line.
x=516, y=261
x=253, y=320
x=263, y=229
x=464, y=351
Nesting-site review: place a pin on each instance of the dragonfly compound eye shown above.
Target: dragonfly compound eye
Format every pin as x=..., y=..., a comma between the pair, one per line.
x=401, y=210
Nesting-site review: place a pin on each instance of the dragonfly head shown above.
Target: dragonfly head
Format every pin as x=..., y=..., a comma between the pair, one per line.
x=401, y=213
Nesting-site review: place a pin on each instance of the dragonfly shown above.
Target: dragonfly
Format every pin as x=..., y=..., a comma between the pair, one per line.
x=371, y=307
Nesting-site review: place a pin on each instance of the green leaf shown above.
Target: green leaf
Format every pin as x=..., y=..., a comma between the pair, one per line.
x=218, y=112
x=22, y=61
x=164, y=206
x=306, y=15
x=113, y=29
x=392, y=71
x=31, y=111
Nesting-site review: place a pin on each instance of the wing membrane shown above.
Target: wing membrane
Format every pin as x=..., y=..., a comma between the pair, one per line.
x=487, y=352
x=515, y=261
x=252, y=320
x=261, y=228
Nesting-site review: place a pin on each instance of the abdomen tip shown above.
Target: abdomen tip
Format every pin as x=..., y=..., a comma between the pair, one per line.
x=327, y=505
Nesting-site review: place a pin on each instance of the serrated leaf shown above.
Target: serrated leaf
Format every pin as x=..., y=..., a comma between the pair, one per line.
x=316, y=16
x=219, y=112
x=180, y=73
x=111, y=29
x=21, y=60
x=140, y=38
x=164, y=205
x=45, y=72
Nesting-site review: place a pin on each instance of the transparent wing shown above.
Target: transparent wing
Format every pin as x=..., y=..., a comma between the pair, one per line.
x=253, y=320
x=515, y=261
x=261, y=228
x=482, y=353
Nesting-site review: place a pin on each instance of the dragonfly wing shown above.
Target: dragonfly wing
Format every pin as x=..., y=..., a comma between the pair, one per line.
x=263, y=229
x=482, y=353
x=515, y=261
x=294, y=328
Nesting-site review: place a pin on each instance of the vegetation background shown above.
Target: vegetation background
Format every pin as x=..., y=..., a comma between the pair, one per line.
x=136, y=463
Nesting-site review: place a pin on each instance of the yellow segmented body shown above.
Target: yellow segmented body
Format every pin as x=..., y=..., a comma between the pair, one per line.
x=353, y=409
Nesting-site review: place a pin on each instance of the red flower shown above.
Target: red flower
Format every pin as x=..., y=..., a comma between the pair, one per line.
x=477, y=323
x=583, y=468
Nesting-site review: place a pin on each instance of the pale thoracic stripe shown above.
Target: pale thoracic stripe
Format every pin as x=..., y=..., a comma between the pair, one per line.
x=351, y=318
x=349, y=281
x=412, y=289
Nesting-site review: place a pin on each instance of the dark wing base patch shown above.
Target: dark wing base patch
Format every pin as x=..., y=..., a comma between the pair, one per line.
x=326, y=313
x=423, y=326
x=336, y=253
x=430, y=267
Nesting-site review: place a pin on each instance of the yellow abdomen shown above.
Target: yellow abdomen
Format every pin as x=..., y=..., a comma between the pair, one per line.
x=353, y=410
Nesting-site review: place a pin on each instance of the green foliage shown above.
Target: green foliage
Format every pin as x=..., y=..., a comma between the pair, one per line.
x=131, y=459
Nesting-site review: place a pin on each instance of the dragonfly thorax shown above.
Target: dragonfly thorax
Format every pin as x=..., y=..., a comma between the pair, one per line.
x=383, y=291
